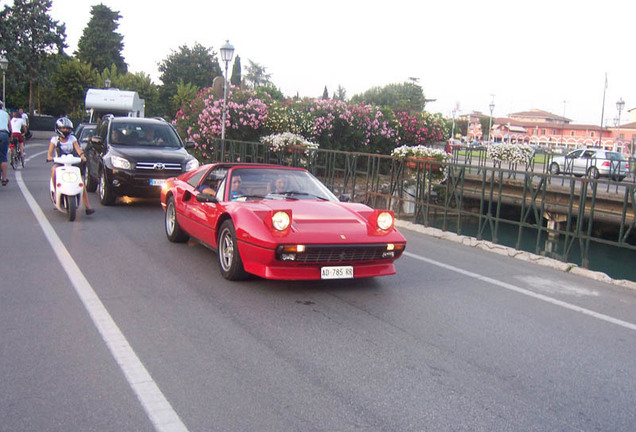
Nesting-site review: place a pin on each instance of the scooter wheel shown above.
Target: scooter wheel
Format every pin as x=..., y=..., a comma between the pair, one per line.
x=71, y=207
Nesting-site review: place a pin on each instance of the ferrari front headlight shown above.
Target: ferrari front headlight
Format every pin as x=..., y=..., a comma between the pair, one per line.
x=281, y=220
x=385, y=220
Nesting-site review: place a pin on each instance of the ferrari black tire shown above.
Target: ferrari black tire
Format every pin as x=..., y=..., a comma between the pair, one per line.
x=229, y=258
x=173, y=231
x=105, y=190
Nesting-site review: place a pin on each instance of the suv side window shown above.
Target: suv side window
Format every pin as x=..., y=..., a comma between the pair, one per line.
x=100, y=131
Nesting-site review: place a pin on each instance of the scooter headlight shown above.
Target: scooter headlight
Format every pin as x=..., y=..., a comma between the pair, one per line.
x=69, y=177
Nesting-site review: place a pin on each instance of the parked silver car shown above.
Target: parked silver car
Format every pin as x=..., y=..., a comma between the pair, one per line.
x=593, y=163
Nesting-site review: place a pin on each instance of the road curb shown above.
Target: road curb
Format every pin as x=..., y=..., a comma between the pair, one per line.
x=514, y=253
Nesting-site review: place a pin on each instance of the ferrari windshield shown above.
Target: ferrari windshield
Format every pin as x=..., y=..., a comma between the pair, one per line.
x=272, y=183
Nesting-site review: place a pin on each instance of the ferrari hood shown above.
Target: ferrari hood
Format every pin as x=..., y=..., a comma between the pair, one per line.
x=327, y=222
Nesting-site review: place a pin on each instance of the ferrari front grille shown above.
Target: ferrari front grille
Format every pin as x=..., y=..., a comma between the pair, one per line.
x=342, y=254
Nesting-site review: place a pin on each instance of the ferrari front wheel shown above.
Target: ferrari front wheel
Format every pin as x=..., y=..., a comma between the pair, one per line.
x=229, y=258
x=173, y=230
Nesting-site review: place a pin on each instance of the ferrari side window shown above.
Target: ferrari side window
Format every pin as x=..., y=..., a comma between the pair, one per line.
x=195, y=179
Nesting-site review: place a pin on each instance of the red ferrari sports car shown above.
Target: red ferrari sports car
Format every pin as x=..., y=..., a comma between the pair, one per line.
x=278, y=223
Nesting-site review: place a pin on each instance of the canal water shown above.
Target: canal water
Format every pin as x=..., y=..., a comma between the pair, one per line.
x=617, y=263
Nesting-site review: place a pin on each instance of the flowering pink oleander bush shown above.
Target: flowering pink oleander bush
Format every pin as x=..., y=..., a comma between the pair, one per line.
x=332, y=124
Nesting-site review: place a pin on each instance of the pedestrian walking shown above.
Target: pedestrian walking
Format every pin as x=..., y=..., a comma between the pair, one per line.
x=4, y=143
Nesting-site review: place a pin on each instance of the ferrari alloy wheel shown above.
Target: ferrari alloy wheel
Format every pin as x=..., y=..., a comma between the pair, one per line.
x=229, y=258
x=173, y=230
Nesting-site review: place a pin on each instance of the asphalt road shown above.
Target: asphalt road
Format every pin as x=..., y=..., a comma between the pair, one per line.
x=107, y=326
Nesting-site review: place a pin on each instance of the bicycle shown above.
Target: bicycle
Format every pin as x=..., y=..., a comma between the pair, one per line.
x=17, y=158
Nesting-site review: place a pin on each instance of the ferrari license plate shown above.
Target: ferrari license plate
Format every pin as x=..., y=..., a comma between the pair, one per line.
x=157, y=182
x=340, y=272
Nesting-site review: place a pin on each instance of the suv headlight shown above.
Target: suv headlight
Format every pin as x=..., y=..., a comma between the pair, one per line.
x=120, y=163
x=192, y=164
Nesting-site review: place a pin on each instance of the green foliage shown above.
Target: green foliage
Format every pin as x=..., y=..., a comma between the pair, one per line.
x=257, y=75
x=100, y=44
x=185, y=93
x=485, y=123
x=197, y=66
x=71, y=79
x=268, y=93
x=340, y=94
x=30, y=39
x=235, y=78
x=407, y=96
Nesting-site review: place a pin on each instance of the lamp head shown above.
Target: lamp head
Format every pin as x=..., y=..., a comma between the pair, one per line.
x=620, y=105
x=227, y=51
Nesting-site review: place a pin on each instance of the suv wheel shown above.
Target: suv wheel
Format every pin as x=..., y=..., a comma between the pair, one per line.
x=106, y=195
x=91, y=183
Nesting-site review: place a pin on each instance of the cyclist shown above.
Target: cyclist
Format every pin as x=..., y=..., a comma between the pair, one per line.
x=4, y=143
x=18, y=129
x=66, y=143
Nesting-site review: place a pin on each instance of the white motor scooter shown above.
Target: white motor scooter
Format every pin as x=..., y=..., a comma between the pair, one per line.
x=66, y=194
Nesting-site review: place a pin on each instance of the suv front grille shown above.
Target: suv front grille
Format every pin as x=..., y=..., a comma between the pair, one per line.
x=158, y=166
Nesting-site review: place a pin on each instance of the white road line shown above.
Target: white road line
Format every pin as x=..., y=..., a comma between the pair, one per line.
x=157, y=407
x=526, y=292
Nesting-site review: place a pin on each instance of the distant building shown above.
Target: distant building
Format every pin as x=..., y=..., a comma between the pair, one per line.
x=543, y=128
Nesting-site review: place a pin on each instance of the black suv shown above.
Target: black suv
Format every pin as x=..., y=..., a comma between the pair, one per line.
x=134, y=157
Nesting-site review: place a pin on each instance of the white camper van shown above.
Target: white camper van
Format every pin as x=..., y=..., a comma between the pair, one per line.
x=121, y=103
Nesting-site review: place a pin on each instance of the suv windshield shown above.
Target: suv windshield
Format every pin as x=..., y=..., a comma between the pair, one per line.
x=142, y=134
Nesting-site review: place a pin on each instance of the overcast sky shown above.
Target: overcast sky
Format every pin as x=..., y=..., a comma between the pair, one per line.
x=532, y=54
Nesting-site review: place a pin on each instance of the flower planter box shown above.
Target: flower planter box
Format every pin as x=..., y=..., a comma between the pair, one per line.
x=421, y=163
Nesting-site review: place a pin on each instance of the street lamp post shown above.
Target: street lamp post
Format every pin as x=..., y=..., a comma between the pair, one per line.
x=227, y=52
x=453, y=129
x=619, y=106
x=4, y=63
x=492, y=108
x=107, y=83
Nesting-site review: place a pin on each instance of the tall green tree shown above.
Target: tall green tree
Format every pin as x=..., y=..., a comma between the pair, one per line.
x=340, y=94
x=407, y=96
x=71, y=79
x=197, y=66
x=257, y=75
x=31, y=39
x=100, y=44
x=236, y=78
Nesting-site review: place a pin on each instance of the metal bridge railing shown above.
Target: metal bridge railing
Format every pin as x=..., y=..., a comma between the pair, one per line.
x=562, y=216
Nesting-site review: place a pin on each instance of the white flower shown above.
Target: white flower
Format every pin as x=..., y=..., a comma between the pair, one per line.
x=280, y=141
x=510, y=153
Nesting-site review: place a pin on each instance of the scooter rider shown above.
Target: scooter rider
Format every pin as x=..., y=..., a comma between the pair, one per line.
x=66, y=143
